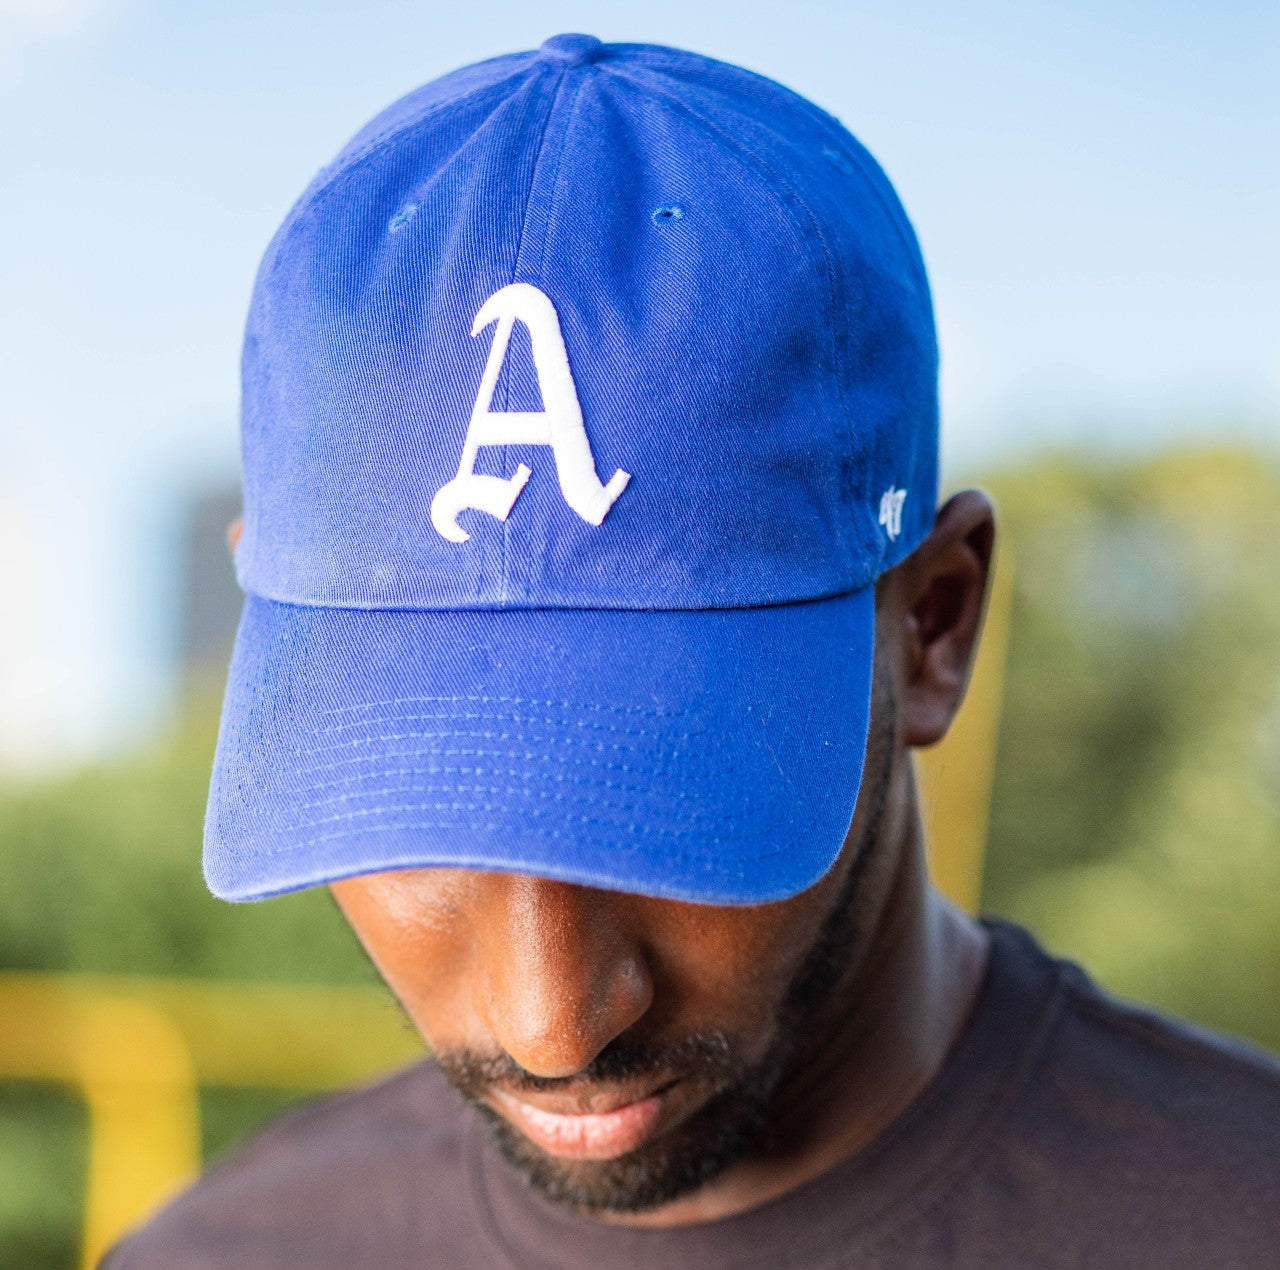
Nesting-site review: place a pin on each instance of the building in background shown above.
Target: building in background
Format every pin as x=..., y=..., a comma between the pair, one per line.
x=209, y=597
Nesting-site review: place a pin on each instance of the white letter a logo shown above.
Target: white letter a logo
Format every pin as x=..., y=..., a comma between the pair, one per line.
x=558, y=424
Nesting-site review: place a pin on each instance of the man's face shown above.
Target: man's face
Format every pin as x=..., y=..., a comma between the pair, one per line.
x=623, y=1049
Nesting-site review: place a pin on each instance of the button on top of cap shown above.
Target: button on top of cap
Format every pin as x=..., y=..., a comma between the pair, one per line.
x=571, y=50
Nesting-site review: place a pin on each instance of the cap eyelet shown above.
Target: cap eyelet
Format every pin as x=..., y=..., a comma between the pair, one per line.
x=402, y=217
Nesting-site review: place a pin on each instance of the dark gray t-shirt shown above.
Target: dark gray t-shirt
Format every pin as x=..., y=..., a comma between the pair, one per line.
x=1065, y=1129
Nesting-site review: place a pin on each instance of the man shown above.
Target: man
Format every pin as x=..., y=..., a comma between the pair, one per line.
x=597, y=593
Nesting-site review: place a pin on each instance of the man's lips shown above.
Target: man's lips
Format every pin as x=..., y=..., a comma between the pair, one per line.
x=622, y=1124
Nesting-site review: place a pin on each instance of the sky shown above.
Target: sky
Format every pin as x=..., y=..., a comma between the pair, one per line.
x=1096, y=187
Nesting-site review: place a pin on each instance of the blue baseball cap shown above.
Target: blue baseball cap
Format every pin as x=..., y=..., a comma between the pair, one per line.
x=586, y=395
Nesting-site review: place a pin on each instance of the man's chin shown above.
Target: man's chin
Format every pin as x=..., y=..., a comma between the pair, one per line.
x=664, y=1167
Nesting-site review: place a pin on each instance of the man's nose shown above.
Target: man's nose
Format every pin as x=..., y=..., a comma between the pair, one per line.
x=559, y=974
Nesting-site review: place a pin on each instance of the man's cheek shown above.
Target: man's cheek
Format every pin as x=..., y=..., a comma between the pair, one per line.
x=742, y=1001
x=431, y=979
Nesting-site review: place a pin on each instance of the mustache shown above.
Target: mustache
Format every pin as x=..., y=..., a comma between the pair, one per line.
x=708, y=1054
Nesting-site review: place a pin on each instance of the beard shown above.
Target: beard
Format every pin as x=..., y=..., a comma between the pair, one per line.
x=737, y=1115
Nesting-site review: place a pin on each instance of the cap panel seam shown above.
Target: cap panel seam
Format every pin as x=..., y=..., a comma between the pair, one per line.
x=874, y=177
x=747, y=156
x=876, y=180
x=518, y=269
x=334, y=173
x=678, y=60
x=571, y=112
x=321, y=191
x=395, y=130
x=312, y=202
x=554, y=196
x=504, y=581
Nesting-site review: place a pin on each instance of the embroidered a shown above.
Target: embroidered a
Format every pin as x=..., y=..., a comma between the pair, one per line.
x=891, y=511
x=558, y=424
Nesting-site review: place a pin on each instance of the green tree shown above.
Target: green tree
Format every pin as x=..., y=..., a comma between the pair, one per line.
x=1136, y=813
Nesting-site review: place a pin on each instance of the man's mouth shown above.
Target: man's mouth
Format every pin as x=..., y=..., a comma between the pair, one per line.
x=598, y=1126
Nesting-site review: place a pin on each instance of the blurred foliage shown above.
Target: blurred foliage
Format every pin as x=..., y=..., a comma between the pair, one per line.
x=43, y=1157
x=118, y=885
x=1136, y=812
x=1135, y=822
x=102, y=873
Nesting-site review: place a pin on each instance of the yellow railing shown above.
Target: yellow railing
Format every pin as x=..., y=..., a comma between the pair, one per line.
x=138, y=1049
x=134, y=1072
x=956, y=774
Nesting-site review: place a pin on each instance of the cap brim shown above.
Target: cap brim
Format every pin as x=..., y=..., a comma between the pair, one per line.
x=707, y=756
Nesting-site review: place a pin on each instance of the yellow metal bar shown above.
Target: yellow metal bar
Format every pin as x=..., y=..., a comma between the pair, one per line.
x=135, y=1074
x=262, y=1035
x=136, y=1049
x=957, y=773
x=144, y=1119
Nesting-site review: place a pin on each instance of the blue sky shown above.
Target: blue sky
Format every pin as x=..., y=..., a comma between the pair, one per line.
x=1096, y=187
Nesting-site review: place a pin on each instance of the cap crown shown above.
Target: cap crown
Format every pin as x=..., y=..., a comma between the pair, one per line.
x=672, y=312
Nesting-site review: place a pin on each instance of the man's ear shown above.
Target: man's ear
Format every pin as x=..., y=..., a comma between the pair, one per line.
x=234, y=530
x=938, y=594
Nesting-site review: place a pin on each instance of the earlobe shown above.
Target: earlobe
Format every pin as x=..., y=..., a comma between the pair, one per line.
x=948, y=577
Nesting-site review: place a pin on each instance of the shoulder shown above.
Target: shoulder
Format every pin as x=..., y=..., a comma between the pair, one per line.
x=1191, y=1082
x=1151, y=1128
x=347, y=1171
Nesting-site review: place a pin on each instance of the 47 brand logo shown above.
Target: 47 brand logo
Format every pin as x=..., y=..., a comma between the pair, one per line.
x=559, y=424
